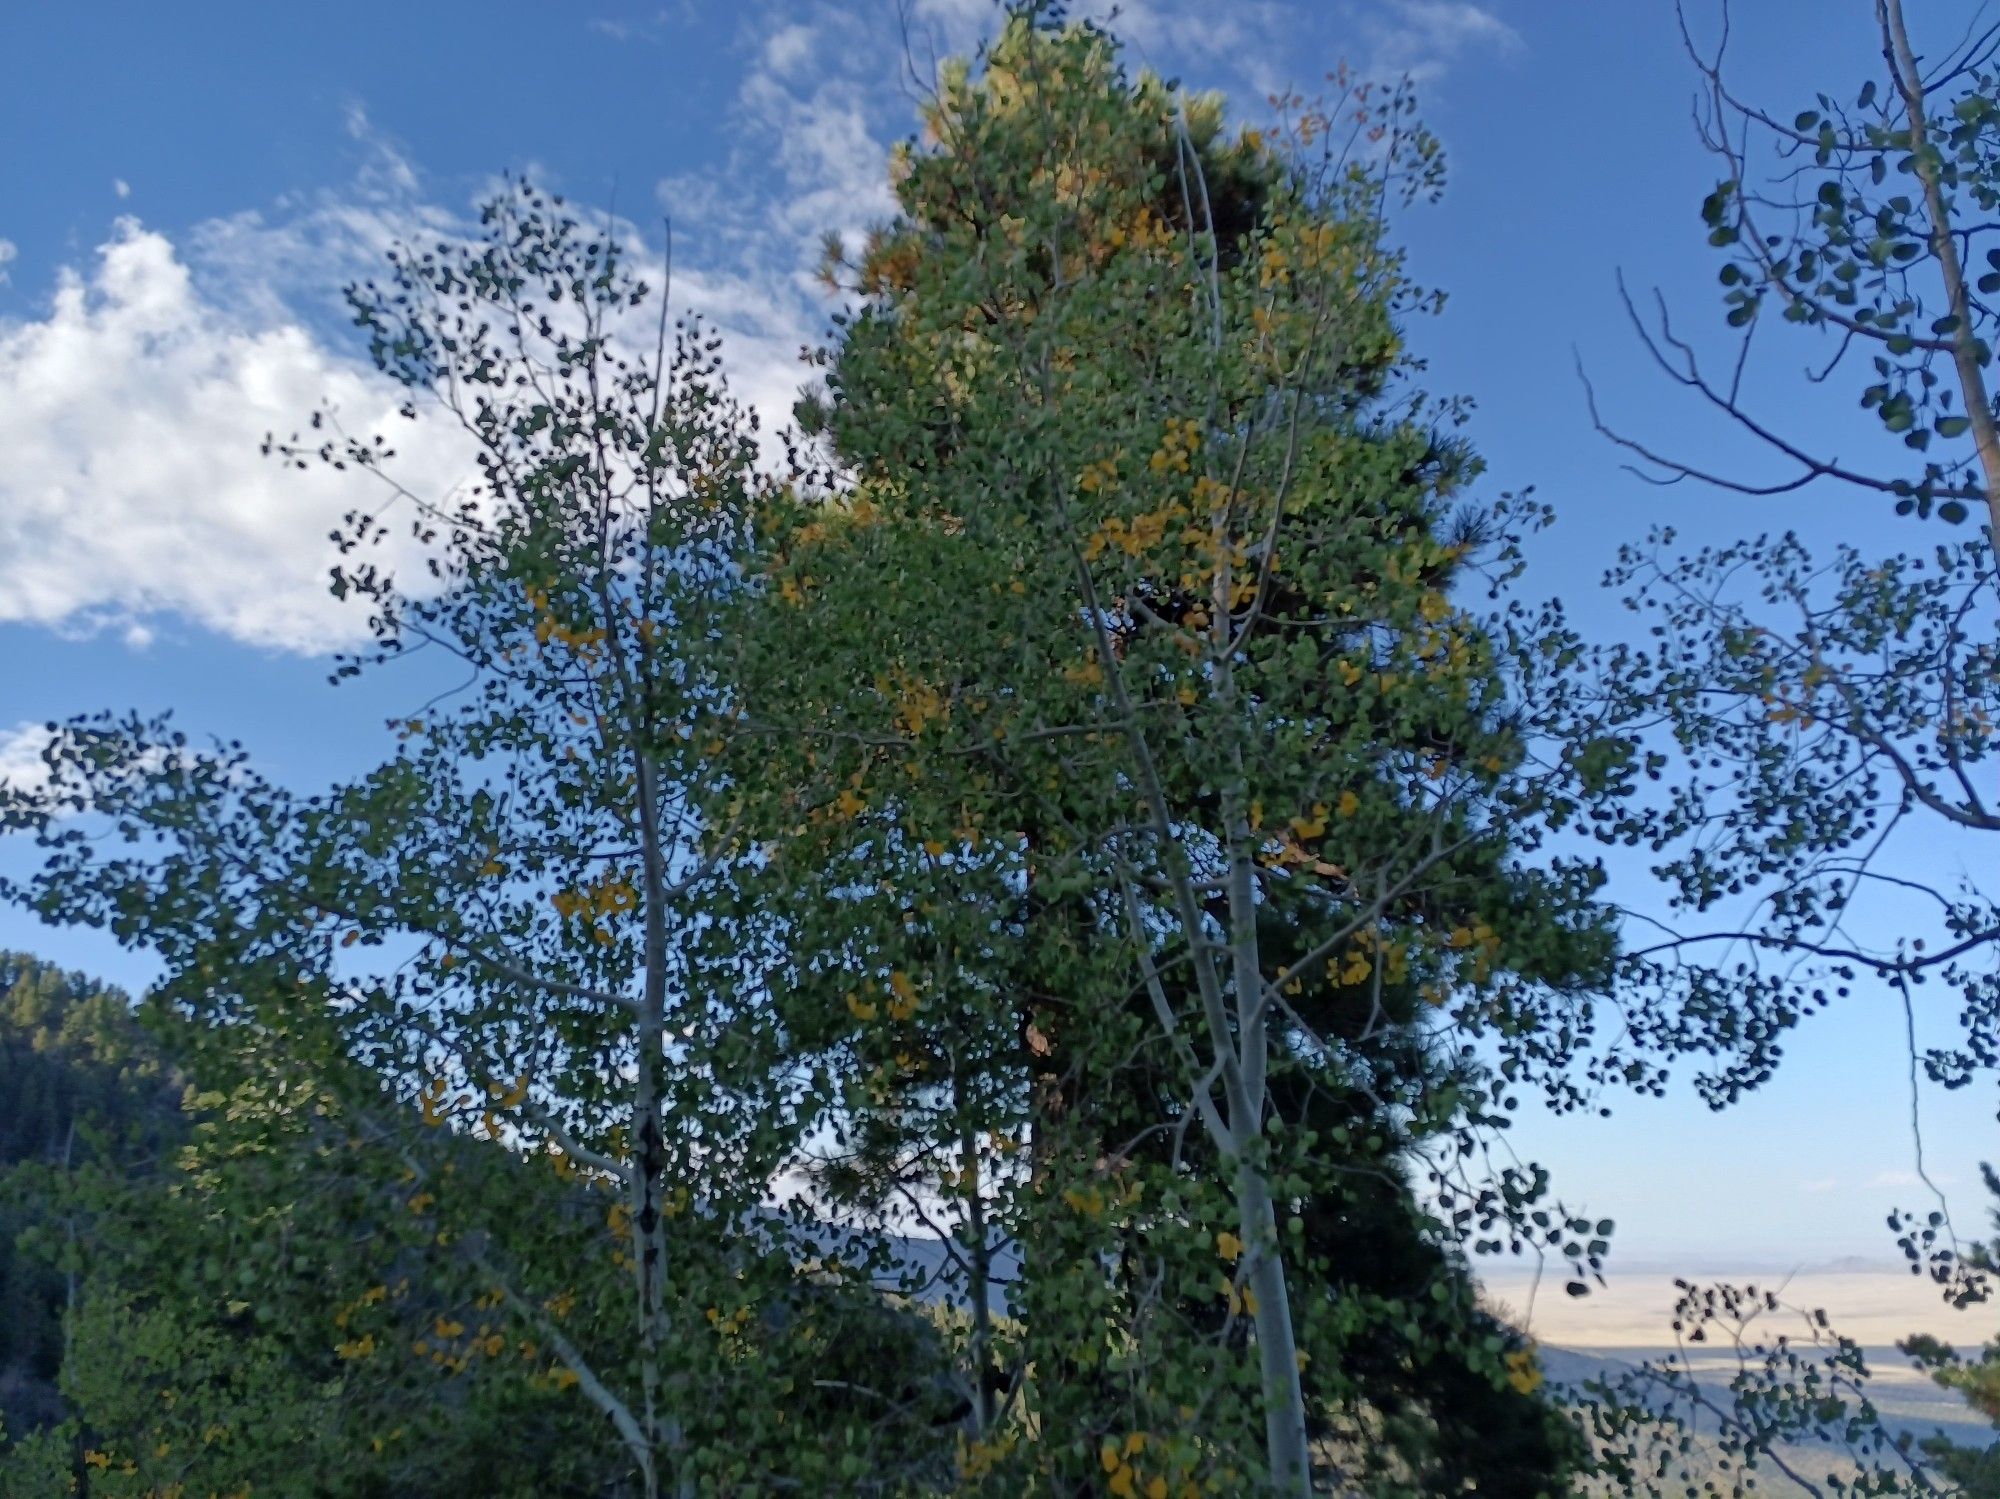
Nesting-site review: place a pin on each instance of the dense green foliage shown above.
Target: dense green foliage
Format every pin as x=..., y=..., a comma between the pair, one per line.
x=1180, y=816
x=993, y=956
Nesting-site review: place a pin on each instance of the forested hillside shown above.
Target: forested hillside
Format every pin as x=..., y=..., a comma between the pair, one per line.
x=79, y=1079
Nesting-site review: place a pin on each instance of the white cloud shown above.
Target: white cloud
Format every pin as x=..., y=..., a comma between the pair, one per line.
x=1423, y=38
x=811, y=122
x=133, y=409
x=788, y=50
x=21, y=749
x=121, y=187
x=651, y=28
x=8, y=250
x=1253, y=48
x=23, y=769
x=132, y=416
x=1911, y=1179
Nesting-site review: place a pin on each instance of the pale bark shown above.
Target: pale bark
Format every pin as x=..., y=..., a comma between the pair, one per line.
x=1964, y=343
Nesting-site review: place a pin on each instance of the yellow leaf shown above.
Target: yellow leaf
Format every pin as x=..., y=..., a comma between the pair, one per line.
x=1228, y=1246
x=1089, y=1202
x=1348, y=804
x=507, y=1098
x=1523, y=1372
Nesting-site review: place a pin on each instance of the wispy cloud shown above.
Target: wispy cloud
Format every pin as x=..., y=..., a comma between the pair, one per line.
x=1940, y=1179
x=1423, y=38
x=652, y=27
x=8, y=251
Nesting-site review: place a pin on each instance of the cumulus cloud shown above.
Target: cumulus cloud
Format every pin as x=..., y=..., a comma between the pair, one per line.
x=132, y=415
x=810, y=126
x=134, y=405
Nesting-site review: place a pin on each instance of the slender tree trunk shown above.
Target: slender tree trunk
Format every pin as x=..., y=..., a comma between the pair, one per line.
x=1285, y=1444
x=664, y=1433
x=1277, y=1344
x=647, y=1260
x=980, y=1287
x=1964, y=343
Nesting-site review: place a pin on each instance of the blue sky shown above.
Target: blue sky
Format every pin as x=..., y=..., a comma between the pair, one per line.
x=187, y=190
